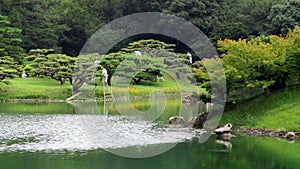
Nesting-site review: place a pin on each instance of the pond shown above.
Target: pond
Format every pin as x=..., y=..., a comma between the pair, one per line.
x=55, y=136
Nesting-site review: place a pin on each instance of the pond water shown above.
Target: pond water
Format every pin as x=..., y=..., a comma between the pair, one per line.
x=55, y=136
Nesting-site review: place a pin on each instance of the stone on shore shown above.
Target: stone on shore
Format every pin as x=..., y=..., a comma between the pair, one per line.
x=200, y=120
x=176, y=120
x=290, y=136
x=225, y=129
x=192, y=121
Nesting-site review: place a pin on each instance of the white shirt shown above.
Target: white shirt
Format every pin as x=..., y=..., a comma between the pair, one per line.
x=24, y=75
x=96, y=62
x=138, y=53
x=190, y=57
x=104, y=72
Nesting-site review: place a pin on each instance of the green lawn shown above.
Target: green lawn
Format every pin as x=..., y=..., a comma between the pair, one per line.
x=34, y=88
x=168, y=87
x=279, y=111
x=46, y=88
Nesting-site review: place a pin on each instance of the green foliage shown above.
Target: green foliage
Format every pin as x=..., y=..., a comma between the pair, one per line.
x=252, y=64
x=148, y=45
x=225, y=30
x=284, y=16
x=149, y=67
x=65, y=25
x=84, y=71
x=40, y=27
x=261, y=63
x=203, y=14
x=10, y=39
x=125, y=64
x=231, y=19
x=293, y=53
x=253, y=15
x=43, y=62
x=152, y=61
x=205, y=77
x=8, y=68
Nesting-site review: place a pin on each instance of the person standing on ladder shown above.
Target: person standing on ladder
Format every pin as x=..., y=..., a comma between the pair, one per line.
x=105, y=75
x=190, y=58
x=105, y=83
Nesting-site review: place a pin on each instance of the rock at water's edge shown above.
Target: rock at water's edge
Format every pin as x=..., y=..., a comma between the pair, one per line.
x=225, y=129
x=177, y=120
x=200, y=120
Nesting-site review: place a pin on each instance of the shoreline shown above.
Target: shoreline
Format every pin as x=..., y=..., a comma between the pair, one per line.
x=257, y=132
x=170, y=96
x=32, y=101
x=272, y=133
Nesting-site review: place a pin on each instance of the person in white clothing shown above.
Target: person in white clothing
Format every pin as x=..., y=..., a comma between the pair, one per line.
x=104, y=73
x=138, y=53
x=96, y=62
x=24, y=75
x=190, y=58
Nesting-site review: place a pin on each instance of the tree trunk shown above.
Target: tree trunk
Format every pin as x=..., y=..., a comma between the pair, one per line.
x=137, y=81
x=71, y=82
x=62, y=81
x=177, y=75
x=109, y=80
x=78, y=82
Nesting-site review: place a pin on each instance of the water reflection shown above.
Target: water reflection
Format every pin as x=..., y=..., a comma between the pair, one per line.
x=246, y=153
x=50, y=135
x=227, y=144
x=82, y=132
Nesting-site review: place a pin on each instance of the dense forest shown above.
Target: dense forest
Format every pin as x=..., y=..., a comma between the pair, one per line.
x=258, y=40
x=65, y=25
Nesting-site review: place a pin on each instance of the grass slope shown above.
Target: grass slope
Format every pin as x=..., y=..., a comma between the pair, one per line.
x=46, y=88
x=280, y=111
x=34, y=88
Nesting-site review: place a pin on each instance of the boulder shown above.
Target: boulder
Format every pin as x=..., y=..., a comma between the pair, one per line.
x=200, y=120
x=290, y=136
x=192, y=121
x=225, y=129
x=176, y=120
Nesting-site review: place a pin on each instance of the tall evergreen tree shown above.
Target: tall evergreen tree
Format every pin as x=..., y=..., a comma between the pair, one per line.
x=10, y=39
x=40, y=27
x=284, y=16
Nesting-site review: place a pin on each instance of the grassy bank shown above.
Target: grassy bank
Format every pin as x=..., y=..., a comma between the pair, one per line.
x=280, y=111
x=46, y=88
x=34, y=88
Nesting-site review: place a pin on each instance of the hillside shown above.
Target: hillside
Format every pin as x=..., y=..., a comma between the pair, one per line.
x=280, y=111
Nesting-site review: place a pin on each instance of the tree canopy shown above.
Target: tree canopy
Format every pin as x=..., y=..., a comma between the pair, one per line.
x=65, y=25
x=43, y=62
x=8, y=68
x=264, y=62
x=10, y=39
x=284, y=16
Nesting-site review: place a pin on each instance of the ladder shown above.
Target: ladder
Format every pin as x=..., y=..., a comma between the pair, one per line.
x=107, y=96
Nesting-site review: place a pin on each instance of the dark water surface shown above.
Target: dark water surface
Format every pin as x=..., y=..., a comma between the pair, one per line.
x=246, y=153
x=54, y=136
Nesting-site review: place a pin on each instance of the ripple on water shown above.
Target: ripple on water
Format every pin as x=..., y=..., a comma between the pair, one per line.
x=82, y=132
